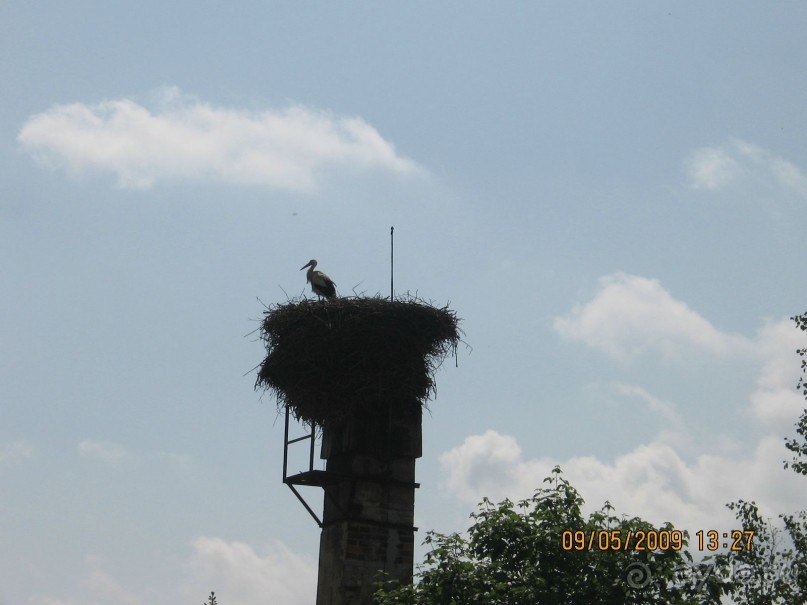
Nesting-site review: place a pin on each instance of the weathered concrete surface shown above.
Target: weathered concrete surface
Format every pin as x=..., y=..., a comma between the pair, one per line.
x=369, y=506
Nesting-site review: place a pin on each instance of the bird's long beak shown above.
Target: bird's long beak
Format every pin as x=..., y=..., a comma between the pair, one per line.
x=304, y=266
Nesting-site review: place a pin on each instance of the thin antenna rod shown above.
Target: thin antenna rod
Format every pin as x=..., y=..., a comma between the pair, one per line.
x=391, y=262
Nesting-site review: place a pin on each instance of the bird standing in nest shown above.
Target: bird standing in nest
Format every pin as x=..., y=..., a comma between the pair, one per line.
x=321, y=284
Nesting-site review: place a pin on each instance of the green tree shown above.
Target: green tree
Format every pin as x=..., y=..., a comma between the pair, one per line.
x=530, y=554
x=771, y=567
x=211, y=600
x=799, y=445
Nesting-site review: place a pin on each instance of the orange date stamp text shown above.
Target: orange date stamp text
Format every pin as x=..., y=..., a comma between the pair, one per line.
x=616, y=539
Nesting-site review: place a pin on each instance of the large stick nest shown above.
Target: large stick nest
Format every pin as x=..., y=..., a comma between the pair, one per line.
x=327, y=359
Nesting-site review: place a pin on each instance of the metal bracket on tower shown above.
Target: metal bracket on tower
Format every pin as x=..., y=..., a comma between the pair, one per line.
x=309, y=477
x=320, y=478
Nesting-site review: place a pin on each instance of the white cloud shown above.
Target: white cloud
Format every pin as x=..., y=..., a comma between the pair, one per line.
x=674, y=430
x=664, y=409
x=119, y=456
x=183, y=138
x=489, y=465
x=651, y=481
x=95, y=587
x=15, y=452
x=776, y=402
x=103, y=589
x=738, y=162
x=234, y=570
x=711, y=168
x=107, y=452
x=241, y=576
x=632, y=315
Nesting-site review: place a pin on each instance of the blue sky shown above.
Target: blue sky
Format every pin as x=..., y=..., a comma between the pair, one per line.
x=609, y=195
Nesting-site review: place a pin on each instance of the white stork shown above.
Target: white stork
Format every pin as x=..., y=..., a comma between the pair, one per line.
x=321, y=284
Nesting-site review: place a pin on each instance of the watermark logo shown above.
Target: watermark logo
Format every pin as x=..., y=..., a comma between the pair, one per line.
x=694, y=576
x=638, y=575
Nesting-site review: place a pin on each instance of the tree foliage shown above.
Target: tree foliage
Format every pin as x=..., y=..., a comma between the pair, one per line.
x=799, y=445
x=772, y=568
x=516, y=554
